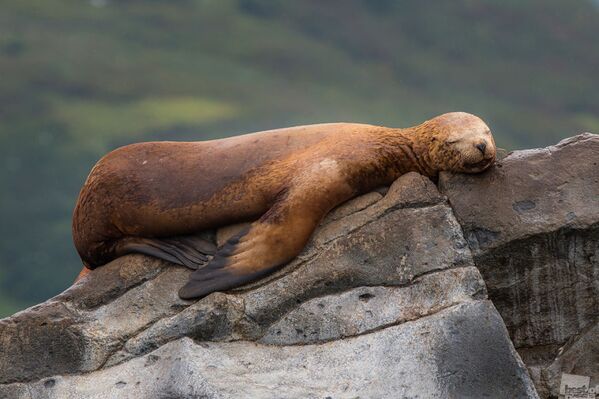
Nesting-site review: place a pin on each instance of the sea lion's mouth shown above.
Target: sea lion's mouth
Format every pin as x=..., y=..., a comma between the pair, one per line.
x=480, y=164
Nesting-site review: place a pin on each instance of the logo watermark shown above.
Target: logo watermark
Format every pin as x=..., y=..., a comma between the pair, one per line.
x=575, y=386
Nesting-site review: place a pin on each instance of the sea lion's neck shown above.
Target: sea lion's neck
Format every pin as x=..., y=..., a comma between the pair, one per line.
x=411, y=149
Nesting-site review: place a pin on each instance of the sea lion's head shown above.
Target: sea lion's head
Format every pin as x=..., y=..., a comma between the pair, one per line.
x=460, y=142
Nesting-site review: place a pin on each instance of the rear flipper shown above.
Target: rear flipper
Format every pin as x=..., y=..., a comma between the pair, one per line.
x=191, y=251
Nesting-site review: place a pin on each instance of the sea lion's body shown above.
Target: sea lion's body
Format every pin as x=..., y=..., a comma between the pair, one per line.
x=165, y=189
x=151, y=197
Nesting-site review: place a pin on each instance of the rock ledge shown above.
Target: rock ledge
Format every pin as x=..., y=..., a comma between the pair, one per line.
x=387, y=300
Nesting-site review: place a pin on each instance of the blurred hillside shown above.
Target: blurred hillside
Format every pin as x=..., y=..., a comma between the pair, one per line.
x=78, y=78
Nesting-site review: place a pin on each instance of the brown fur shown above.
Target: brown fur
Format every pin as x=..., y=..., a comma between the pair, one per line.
x=290, y=177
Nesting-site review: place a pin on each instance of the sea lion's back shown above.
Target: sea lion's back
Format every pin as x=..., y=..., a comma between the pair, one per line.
x=194, y=171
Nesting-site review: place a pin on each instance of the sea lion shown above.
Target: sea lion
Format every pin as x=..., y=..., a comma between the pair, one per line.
x=154, y=197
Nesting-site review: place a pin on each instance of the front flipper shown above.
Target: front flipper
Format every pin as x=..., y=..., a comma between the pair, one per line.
x=251, y=254
x=269, y=243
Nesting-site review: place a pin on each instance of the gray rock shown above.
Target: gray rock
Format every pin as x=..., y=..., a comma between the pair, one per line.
x=529, y=192
x=353, y=206
x=578, y=356
x=364, y=309
x=460, y=352
x=404, y=315
x=41, y=341
x=79, y=329
x=429, y=240
x=110, y=281
x=216, y=318
x=533, y=225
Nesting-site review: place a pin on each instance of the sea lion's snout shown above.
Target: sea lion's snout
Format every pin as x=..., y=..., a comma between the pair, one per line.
x=479, y=155
x=486, y=149
x=481, y=147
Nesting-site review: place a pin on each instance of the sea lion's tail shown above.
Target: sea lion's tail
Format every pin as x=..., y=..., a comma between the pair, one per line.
x=191, y=251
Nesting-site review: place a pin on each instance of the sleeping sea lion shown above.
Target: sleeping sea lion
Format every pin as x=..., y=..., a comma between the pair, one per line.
x=154, y=198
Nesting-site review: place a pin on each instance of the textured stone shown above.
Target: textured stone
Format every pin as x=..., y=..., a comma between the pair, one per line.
x=409, y=191
x=532, y=223
x=79, y=329
x=460, y=352
x=429, y=240
x=40, y=341
x=108, y=326
x=529, y=192
x=546, y=287
x=365, y=309
x=216, y=318
x=579, y=356
x=111, y=281
x=353, y=206
x=405, y=313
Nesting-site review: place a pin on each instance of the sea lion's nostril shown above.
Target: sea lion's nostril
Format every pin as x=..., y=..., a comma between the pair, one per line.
x=481, y=147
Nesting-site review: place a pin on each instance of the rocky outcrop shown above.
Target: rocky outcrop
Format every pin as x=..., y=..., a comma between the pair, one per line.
x=532, y=223
x=385, y=301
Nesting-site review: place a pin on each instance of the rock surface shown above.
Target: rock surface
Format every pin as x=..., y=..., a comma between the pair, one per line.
x=385, y=301
x=532, y=223
x=445, y=355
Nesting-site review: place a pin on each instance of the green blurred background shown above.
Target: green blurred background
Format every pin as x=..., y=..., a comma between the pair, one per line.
x=81, y=77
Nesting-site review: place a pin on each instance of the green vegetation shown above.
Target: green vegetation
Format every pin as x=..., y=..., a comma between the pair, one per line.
x=78, y=78
x=104, y=121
